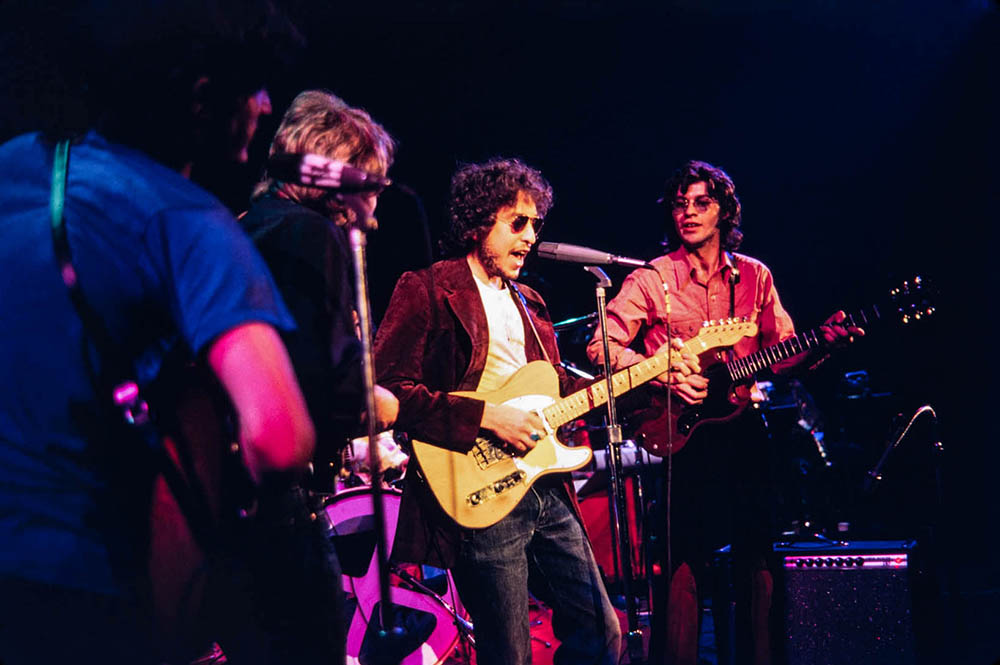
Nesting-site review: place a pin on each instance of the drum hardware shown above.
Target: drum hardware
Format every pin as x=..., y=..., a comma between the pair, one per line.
x=576, y=371
x=575, y=321
x=535, y=623
x=464, y=626
x=351, y=525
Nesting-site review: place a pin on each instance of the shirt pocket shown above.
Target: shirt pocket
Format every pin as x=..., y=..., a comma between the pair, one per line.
x=685, y=328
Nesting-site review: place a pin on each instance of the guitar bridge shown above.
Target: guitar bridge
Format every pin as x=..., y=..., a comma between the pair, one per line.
x=496, y=488
x=487, y=454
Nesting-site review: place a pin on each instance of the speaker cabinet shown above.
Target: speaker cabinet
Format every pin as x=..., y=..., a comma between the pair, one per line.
x=847, y=603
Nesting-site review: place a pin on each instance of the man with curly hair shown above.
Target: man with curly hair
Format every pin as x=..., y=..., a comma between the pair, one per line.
x=720, y=480
x=462, y=324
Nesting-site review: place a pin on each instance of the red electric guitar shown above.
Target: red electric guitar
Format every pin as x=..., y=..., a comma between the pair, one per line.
x=729, y=381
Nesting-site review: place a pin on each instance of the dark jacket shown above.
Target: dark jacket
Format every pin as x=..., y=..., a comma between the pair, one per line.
x=434, y=340
x=311, y=263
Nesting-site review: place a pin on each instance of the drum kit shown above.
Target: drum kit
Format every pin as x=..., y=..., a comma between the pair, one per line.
x=425, y=601
x=437, y=630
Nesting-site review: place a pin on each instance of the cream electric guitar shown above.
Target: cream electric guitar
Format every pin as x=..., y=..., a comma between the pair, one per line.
x=480, y=487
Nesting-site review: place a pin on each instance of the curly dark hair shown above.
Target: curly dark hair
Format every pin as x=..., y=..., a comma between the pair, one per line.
x=478, y=191
x=720, y=187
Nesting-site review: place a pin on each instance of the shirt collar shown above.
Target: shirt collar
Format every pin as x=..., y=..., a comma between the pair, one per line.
x=683, y=260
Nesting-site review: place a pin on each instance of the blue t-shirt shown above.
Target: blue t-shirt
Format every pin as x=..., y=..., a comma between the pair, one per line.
x=163, y=263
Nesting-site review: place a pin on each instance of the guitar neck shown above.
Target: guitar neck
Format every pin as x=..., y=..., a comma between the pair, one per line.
x=596, y=394
x=747, y=366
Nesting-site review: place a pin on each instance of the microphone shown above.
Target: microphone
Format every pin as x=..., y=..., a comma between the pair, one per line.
x=561, y=251
x=317, y=171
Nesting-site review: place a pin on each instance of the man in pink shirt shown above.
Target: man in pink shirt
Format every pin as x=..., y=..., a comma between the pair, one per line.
x=721, y=490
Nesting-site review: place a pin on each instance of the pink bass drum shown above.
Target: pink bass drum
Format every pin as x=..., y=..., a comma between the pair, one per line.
x=427, y=608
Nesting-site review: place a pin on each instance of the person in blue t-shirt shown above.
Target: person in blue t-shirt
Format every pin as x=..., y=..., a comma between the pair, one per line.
x=169, y=271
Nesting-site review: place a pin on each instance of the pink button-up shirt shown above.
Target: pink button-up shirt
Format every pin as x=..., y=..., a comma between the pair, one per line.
x=640, y=308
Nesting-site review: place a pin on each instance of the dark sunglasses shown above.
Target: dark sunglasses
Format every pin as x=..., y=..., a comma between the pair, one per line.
x=519, y=223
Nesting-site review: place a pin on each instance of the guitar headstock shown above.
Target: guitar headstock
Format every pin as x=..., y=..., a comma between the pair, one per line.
x=724, y=332
x=912, y=300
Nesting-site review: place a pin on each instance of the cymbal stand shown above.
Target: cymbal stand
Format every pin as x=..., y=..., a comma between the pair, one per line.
x=623, y=549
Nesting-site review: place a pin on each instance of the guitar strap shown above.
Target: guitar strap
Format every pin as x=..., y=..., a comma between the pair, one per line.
x=734, y=279
x=523, y=306
x=124, y=391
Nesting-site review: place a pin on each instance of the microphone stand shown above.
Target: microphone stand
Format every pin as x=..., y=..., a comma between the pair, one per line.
x=358, y=241
x=633, y=638
x=873, y=477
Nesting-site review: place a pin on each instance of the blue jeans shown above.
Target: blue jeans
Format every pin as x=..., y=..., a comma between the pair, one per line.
x=540, y=546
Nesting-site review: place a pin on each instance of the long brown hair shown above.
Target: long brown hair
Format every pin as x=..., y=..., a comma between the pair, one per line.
x=720, y=187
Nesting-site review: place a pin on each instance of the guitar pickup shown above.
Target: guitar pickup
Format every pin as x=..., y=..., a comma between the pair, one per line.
x=495, y=488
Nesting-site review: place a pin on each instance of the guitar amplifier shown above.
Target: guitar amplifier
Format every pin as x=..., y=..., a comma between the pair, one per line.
x=847, y=603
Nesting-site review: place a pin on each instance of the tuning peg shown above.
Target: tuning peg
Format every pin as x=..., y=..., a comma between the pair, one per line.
x=704, y=324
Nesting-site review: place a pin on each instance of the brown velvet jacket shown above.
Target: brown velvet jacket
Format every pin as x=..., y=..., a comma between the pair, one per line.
x=434, y=340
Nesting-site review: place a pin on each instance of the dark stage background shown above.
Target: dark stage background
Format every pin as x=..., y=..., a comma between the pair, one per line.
x=861, y=137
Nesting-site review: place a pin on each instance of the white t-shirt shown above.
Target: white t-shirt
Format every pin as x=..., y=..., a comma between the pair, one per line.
x=506, y=351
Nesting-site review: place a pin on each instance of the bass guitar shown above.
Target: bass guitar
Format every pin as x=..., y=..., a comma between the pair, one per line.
x=480, y=487
x=661, y=433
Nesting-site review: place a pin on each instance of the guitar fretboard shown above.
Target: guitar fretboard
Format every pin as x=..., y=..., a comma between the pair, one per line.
x=561, y=412
x=747, y=366
x=573, y=406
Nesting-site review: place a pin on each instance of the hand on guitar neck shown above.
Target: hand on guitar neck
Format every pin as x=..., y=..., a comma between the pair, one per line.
x=836, y=333
x=684, y=376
